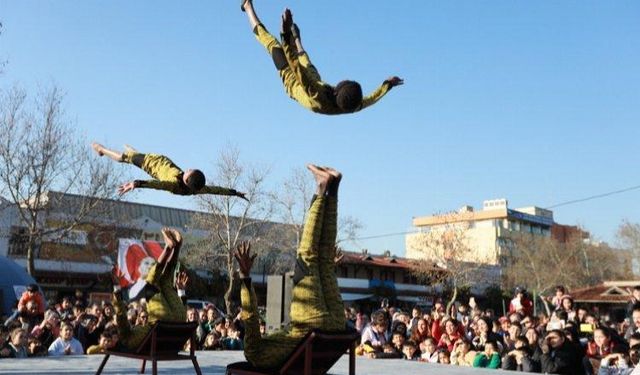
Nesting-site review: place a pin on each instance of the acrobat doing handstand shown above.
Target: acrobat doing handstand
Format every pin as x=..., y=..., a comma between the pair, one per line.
x=167, y=175
x=316, y=301
x=301, y=79
x=164, y=304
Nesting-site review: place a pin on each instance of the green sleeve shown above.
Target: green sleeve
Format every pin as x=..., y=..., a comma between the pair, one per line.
x=376, y=95
x=217, y=190
x=494, y=362
x=480, y=360
x=158, y=185
x=124, y=329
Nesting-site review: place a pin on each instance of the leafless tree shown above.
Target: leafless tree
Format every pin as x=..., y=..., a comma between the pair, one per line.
x=293, y=200
x=42, y=161
x=628, y=236
x=448, y=257
x=230, y=220
x=540, y=263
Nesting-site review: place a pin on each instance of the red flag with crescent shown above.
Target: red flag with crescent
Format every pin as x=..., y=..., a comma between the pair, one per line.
x=131, y=253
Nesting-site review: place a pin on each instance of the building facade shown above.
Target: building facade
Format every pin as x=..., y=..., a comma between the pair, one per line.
x=485, y=231
x=368, y=277
x=82, y=258
x=485, y=236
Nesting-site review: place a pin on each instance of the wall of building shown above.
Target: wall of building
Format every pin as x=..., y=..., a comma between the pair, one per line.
x=477, y=243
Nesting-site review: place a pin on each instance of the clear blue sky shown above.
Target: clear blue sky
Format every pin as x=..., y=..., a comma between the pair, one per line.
x=537, y=102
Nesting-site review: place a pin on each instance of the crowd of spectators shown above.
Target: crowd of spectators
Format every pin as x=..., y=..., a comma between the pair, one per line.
x=563, y=339
x=71, y=327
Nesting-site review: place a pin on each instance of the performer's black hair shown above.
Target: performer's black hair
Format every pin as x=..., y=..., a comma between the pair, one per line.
x=196, y=180
x=348, y=95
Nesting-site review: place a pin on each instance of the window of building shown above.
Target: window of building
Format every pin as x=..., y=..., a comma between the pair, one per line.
x=344, y=271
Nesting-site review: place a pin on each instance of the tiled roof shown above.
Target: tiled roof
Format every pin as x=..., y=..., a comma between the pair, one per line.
x=602, y=293
x=377, y=260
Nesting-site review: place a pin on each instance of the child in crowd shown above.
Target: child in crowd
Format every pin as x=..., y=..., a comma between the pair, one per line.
x=429, y=350
x=212, y=342
x=462, y=355
x=410, y=351
x=444, y=356
x=489, y=358
x=103, y=345
x=375, y=333
x=66, y=344
x=18, y=344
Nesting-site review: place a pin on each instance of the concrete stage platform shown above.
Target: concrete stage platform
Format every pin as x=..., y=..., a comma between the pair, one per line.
x=214, y=363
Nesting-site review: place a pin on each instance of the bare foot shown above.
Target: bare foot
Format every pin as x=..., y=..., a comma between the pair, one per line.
x=336, y=175
x=130, y=149
x=323, y=178
x=169, y=239
x=176, y=236
x=244, y=3
x=287, y=21
x=97, y=147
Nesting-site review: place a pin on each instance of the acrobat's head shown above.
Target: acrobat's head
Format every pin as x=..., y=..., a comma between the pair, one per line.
x=348, y=95
x=194, y=179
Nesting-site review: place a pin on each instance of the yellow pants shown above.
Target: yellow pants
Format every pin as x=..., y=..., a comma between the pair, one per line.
x=164, y=305
x=316, y=301
x=294, y=70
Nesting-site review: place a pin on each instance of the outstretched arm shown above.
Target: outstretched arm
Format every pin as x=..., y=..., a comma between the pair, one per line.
x=381, y=91
x=118, y=303
x=148, y=184
x=217, y=190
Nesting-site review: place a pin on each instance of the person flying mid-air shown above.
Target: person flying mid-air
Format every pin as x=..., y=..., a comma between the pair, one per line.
x=167, y=175
x=301, y=79
x=316, y=301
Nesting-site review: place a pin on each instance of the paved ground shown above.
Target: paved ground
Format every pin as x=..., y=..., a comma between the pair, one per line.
x=214, y=363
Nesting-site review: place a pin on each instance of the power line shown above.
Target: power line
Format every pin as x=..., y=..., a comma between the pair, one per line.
x=383, y=235
x=597, y=196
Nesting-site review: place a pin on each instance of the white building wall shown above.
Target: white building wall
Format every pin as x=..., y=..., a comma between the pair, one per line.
x=8, y=218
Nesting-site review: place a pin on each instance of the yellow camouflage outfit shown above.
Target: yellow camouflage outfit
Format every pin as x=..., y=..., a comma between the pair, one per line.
x=167, y=175
x=165, y=305
x=316, y=302
x=301, y=79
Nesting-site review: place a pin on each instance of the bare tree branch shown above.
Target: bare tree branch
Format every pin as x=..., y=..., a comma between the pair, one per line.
x=229, y=220
x=42, y=160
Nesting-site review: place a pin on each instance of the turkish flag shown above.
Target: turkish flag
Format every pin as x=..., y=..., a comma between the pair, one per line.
x=131, y=253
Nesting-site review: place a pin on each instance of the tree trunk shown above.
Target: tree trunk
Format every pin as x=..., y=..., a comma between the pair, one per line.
x=228, y=293
x=453, y=298
x=232, y=280
x=31, y=263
